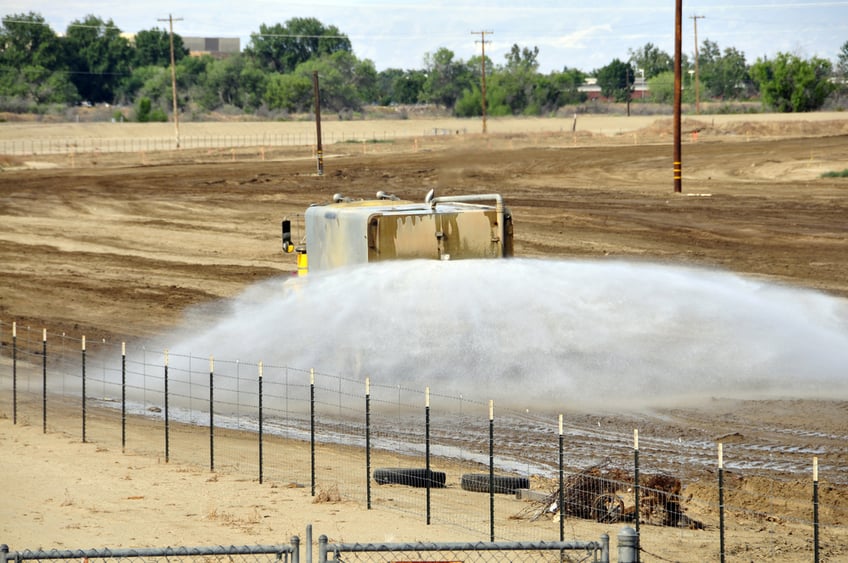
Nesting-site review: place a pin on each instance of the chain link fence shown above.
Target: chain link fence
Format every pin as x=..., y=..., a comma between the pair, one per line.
x=480, y=552
x=214, y=554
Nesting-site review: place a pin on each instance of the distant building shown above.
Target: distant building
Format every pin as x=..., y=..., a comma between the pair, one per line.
x=593, y=91
x=218, y=47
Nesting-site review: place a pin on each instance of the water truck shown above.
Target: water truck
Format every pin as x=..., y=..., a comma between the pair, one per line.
x=355, y=231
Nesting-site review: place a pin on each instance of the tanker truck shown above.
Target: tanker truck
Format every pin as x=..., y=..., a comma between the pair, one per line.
x=355, y=231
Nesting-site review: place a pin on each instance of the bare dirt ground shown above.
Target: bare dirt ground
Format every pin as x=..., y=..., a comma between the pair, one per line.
x=117, y=246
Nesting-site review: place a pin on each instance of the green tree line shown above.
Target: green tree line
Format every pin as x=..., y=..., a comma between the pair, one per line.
x=93, y=62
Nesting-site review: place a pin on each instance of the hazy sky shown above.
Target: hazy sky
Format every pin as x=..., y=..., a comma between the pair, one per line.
x=583, y=35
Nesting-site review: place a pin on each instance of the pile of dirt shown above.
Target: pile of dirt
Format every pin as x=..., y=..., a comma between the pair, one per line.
x=706, y=127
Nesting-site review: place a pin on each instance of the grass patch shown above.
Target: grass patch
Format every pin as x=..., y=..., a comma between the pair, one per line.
x=842, y=174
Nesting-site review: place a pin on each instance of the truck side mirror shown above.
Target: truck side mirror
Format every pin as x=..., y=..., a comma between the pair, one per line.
x=288, y=247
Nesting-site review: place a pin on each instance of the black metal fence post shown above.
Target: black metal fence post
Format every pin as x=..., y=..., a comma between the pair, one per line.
x=491, y=470
x=368, y=442
x=123, y=396
x=721, y=502
x=312, y=429
x=427, y=447
x=44, y=381
x=260, y=423
x=167, y=417
x=14, y=373
x=211, y=414
x=83, y=389
x=636, y=487
x=561, y=499
x=816, y=509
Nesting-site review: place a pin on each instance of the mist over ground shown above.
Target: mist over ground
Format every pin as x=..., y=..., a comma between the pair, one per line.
x=558, y=333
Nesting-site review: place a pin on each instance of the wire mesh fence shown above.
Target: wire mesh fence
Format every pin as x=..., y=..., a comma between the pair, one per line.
x=444, y=459
x=481, y=552
x=138, y=144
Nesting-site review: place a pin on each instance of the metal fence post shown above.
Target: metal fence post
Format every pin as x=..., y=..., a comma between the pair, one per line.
x=720, y=503
x=627, y=545
x=491, y=470
x=322, y=548
x=368, y=442
x=605, y=551
x=636, y=490
x=260, y=423
x=211, y=414
x=167, y=429
x=427, y=447
x=83, y=389
x=14, y=373
x=123, y=396
x=295, y=543
x=44, y=381
x=816, y=509
x=312, y=428
x=561, y=499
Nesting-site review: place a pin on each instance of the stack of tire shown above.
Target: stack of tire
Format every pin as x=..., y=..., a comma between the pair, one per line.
x=473, y=482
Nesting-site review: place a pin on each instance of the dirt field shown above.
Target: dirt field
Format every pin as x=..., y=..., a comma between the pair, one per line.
x=118, y=245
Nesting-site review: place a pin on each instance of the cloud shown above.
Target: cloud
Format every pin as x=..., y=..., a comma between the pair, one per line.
x=580, y=39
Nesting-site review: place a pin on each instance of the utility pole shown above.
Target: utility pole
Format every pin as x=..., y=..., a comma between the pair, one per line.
x=319, y=144
x=170, y=21
x=483, y=42
x=697, y=93
x=678, y=34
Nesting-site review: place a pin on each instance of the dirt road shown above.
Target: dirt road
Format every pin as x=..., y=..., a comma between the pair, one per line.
x=118, y=246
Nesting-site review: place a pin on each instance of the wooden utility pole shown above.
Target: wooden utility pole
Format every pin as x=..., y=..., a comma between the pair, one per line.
x=319, y=144
x=170, y=21
x=678, y=34
x=697, y=89
x=483, y=42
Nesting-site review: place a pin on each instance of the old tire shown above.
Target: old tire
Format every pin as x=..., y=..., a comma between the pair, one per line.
x=411, y=477
x=502, y=484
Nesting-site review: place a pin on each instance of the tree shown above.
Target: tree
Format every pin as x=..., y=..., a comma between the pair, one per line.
x=27, y=40
x=145, y=80
x=345, y=82
x=223, y=82
x=153, y=47
x=289, y=92
x=558, y=89
x=842, y=61
x=99, y=58
x=791, y=84
x=723, y=75
x=192, y=79
x=517, y=79
x=616, y=80
x=399, y=86
x=841, y=70
x=446, y=78
x=281, y=48
x=32, y=63
x=651, y=60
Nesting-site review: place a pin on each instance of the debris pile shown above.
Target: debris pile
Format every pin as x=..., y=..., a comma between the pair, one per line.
x=598, y=493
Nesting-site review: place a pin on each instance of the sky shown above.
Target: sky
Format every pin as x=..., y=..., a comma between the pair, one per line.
x=582, y=35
